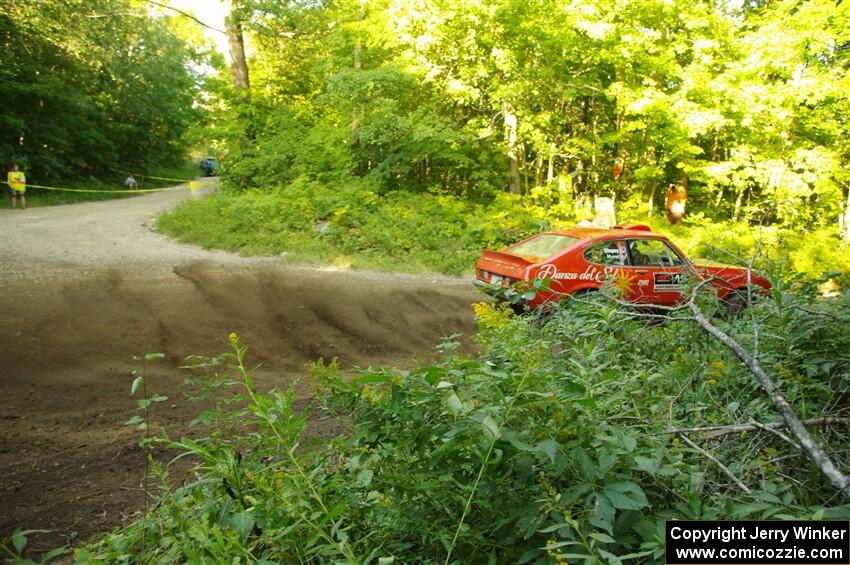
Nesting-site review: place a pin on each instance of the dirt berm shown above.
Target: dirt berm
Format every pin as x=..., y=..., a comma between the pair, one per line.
x=86, y=288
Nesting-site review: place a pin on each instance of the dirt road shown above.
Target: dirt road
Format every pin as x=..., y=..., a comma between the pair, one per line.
x=84, y=288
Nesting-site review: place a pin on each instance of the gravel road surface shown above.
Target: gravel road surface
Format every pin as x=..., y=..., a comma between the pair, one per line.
x=85, y=288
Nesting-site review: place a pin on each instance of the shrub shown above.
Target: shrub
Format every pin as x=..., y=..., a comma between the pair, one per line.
x=557, y=443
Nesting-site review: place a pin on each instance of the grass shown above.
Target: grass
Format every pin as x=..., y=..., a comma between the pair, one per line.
x=350, y=226
x=112, y=186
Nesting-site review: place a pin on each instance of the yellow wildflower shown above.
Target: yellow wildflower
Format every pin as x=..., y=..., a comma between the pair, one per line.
x=492, y=316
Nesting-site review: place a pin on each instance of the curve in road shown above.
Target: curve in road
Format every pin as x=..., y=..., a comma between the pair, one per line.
x=85, y=288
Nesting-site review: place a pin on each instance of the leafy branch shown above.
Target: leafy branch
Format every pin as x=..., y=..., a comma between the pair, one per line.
x=142, y=423
x=806, y=442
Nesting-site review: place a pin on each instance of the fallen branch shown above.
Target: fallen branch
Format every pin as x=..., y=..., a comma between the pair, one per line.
x=714, y=460
x=804, y=439
x=778, y=434
x=717, y=431
x=798, y=430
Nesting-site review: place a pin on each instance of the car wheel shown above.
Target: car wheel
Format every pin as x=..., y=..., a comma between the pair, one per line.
x=736, y=302
x=518, y=308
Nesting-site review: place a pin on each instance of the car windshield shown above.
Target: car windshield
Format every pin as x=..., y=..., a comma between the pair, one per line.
x=543, y=246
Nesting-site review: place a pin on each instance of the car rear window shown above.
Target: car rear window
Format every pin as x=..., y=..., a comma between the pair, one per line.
x=543, y=246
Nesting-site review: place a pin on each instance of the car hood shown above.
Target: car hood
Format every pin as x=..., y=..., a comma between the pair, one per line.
x=733, y=274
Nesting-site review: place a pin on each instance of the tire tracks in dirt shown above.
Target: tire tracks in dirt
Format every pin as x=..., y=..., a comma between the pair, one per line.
x=86, y=288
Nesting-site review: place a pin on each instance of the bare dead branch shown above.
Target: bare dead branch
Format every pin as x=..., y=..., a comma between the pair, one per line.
x=714, y=460
x=804, y=439
x=718, y=431
x=490, y=127
x=778, y=434
x=814, y=312
x=807, y=443
x=184, y=14
x=756, y=325
x=114, y=15
x=577, y=86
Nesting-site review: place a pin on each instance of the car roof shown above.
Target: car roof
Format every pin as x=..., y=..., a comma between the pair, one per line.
x=601, y=233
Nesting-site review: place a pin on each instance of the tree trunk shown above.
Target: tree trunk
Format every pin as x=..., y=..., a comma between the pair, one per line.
x=650, y=157
x=538, y=169
x=653, y=187
x=844, y=220
x=236, y=44
x=738, y=202
x=511, y=131
x=550, y=173
x=719, y=198
x=357, y=112
x=523, y=159
x=241, y=82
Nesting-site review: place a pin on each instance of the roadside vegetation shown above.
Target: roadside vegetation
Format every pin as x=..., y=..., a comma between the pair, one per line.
x=353, y=226
x=94, y=90
x=407, y=137
x=105, y=188
x=570, y=438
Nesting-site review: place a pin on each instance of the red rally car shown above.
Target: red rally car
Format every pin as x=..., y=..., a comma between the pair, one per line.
x=645, y=266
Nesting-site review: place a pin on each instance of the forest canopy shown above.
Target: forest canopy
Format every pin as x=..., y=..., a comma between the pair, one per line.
x=503, y=110
x=89, y=88
x=744, y=103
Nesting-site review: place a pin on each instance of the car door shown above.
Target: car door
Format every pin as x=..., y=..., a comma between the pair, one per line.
x=658, y=272
x=606, y=261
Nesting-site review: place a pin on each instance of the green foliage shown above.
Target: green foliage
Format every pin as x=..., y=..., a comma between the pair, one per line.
x=349, y=223
x=15, y=548
x=741, y=105
x=108, y=187
x=552, y=445
x=358, y=106
x=807, y=254
x=352, y=225
x=91, y=88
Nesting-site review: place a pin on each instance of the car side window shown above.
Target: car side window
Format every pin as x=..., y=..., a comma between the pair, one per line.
x=653, y=253
x=607, y=253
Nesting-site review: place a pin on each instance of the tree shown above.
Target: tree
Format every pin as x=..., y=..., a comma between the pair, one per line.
x=89, y=88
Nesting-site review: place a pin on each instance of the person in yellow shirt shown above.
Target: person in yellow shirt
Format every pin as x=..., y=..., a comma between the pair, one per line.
x=17, y=182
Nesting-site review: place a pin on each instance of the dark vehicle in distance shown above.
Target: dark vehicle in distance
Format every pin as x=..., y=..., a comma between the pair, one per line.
x=209, y=166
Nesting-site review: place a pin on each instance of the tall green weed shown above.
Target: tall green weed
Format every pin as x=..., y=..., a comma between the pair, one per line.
x=350, y=223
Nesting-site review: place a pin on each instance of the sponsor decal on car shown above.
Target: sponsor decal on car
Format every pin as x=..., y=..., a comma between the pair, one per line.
x=592, y=273
x=669, y=281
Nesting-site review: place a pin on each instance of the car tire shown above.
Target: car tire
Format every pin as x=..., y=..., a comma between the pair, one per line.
x=736, y=302
x=519, y=308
